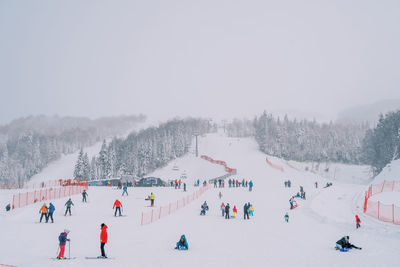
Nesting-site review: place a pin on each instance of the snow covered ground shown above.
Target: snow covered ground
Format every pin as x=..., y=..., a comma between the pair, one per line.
x=264, y=240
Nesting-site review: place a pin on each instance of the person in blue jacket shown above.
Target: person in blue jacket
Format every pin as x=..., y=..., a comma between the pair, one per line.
x=51, y=211
x=182, y=244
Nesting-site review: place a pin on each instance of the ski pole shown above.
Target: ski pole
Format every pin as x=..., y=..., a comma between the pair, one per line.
x=58, y=247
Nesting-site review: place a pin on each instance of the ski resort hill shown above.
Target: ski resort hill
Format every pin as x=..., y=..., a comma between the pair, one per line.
x=308, y=239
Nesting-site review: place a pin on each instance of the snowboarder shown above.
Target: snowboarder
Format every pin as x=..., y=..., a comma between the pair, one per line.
x=344, y=244
x=44, y=211
x=358, y=222
x=125, y=190
x=251, y=210
x=287, y=217
x=204, y=208
x=117, y=206
x=152, y=197
x=68, y=204
x=251, y=186
x=234, y=211
x=223, y=209
x=51, y=211
x=84, y=195
x=62, y=238
x=227, y=207
x=103, y=239
x=182, y=244
x=8, y=207
x=246, y=211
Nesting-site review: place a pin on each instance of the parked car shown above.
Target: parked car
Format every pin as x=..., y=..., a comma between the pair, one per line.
x=151, y=181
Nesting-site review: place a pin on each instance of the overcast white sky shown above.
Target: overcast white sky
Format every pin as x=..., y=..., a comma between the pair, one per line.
x=208, y=58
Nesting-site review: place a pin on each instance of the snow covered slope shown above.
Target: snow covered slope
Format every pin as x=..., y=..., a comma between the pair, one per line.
x=264, y=240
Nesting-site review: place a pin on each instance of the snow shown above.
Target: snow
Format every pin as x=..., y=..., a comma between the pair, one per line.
x=265, y=240
x=390, y=173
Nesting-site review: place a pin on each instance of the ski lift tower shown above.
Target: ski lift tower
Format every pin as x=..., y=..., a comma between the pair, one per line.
x=197, y=147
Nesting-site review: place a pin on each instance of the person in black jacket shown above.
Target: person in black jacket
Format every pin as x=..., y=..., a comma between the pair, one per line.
x=227, y=207
x=246, y=211
x=344, y=243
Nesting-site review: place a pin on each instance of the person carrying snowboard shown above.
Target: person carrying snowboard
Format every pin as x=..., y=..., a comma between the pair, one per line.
x=62, y=238
x=103, y=239
x=152, y=197
x=117, y=206
x=44, y=211
x=84, y=195
x=358, y=222
x=287, y=217
x=125, y=190
x=51, y=211
x=344, y=244
x=227, y=207
x=68, y=204
x=234, y=211
x=182, y=244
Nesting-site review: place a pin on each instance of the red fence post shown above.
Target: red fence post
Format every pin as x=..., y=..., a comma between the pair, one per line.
x=379, y=203
x=141, y=222
x=169, y=209
x=393, y=213
x=19, y=200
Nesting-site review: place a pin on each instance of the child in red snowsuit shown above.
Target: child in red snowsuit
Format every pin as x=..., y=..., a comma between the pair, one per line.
x=358, y=222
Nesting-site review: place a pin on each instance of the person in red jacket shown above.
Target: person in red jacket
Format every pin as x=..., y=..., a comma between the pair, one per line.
x=358, y=222
x=103, y=239
x=117, y=206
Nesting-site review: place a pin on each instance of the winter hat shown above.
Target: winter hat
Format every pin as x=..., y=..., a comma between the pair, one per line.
x=66, y=231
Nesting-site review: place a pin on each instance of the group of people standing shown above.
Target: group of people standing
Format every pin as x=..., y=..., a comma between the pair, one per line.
x=248, y=210
x=243, y=183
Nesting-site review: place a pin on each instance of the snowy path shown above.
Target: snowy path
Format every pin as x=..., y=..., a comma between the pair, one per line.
x=265, y=240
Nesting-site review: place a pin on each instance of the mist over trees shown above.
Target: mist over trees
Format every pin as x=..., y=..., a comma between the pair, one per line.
x=381, y=145
x=303, y=140
x=27, y=145
x=141, y=153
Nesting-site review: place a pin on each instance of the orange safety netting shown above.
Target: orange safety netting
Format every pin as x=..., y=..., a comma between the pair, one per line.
x=378, y=210
x=219, y=162
x=280, y=168
x=158, y=213
x=23, y=199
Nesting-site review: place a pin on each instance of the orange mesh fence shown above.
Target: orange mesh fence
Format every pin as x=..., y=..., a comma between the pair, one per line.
x=219, y=162
x=158, y=213
x=376, y=209
x=24, y=199
x=277, y=167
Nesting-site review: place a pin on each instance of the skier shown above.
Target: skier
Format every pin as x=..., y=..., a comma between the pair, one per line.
x=246, y=211
x=316, y=184
x=68, y=204
x=152, y=199
x=285, y=183
x=62, y=238
x=103, y=240
x=184, y=187
x=84, y=194
x=227, y=207
x=358, y=222
x=289, y=183
x=220, y=195
x=230, y=182
x=344, y=244
x=250, y=186
x=251, y=210
x=125, y=188
x=51, y=211
x=234, y=211
x=223, y=209
x=44, y=211
x=215, y=183
x=219, y=183
x=117, y=206
x=182, y=244
x=287, y=217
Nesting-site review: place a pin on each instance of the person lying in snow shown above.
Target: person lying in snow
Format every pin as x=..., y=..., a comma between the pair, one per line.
x=182, y=244
x=344, y=244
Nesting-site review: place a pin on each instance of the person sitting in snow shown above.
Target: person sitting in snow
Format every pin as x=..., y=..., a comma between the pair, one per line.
x=204, y=208
x=345, y=244
x=182, y=243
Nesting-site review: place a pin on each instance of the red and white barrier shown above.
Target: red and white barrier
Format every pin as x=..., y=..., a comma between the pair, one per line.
x=277, y=167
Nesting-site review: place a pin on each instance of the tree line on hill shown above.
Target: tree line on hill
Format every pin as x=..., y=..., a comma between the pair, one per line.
x=27, y=145
x=142, y=152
